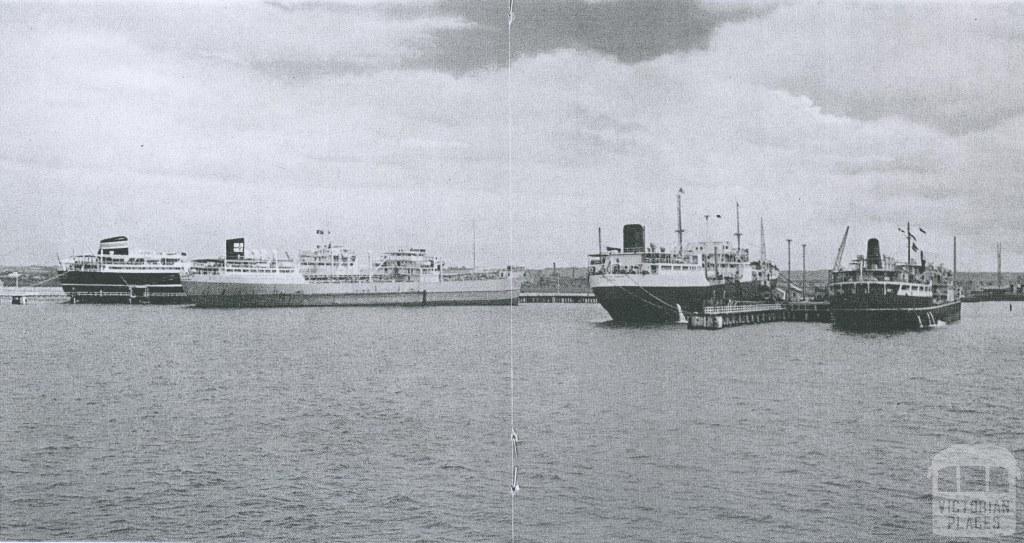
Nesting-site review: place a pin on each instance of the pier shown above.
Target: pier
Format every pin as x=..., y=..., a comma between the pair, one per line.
x=718, y=317
x=557, y=298
x=22, y=296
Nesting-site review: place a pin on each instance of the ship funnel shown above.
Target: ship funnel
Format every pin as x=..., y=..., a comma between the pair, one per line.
x=114, y=246
x=235, y=249
x=874, y=254
x=633, y=238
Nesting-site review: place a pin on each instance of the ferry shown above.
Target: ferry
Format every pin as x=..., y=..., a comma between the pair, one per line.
x=331, y=276
x=116, y=275
x=646, y=283
x=878, y=294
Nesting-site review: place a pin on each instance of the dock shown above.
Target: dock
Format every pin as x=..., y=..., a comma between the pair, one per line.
x=23, y=296
x=718, y=317
x=557, y=298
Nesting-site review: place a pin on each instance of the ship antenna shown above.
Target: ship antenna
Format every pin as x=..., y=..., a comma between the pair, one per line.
x=679, y=218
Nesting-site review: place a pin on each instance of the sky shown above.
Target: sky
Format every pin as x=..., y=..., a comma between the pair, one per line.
x=388, y=124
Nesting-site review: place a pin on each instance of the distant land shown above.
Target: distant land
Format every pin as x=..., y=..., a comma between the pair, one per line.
x=568, y=279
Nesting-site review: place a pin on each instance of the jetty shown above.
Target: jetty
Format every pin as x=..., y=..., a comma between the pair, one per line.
x=723, y=316
x=25, y=295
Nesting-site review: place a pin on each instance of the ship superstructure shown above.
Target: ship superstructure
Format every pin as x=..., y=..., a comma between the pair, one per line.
x=117, y=275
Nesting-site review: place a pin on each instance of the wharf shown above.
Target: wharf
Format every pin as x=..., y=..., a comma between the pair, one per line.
x=557, y=298
x=717, y=317
x=22, y=296
x=993, y=297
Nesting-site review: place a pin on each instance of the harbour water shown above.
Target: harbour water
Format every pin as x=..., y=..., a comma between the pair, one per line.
x=175, y=423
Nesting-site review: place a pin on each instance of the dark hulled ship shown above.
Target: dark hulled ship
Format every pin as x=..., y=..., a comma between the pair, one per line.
x=878, y=294
x=646, y=283
x=116, y=275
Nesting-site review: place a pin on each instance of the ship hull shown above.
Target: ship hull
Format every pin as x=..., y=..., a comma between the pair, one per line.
x=206, y=293
x=883, y=319
x=627, y=302
x=123, y=288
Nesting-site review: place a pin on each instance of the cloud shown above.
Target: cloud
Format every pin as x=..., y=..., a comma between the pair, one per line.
x=387, y=122
x=630, y=31
x=953, y=66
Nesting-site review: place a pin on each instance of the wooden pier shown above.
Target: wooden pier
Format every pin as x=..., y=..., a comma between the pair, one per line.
x=718, y=317
x=557, y=298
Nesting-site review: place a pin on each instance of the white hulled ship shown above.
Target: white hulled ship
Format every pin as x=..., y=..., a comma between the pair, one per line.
x=331, y=276
x=116, y=275
x=641, y=283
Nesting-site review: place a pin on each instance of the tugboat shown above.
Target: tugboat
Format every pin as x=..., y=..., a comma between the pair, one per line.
x=640, y=283
x=878, y=294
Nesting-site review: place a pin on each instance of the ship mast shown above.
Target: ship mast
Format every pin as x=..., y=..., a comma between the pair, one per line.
x=738, y=234
x=764, y=253
x=908, y=253
x=679, y=220
x=999, y=265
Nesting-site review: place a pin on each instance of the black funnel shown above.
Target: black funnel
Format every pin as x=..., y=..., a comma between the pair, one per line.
x=633, y=238
x=235, y=249
x=874, y=254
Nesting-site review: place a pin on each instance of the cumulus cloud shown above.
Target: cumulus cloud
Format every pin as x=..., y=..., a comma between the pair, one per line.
x=387, y=123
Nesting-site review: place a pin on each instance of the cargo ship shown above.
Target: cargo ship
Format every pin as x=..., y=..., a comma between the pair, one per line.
x=878, y=294
x=331, y=276
x=646, y=283
x=116, y=275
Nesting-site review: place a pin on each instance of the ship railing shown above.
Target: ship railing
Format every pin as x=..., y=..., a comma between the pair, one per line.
x=401, y=278
x=102, y=267
x=221, y=269
x=474, y=276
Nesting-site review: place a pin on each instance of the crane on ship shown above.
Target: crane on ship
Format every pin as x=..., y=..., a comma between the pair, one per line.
x=838, y=264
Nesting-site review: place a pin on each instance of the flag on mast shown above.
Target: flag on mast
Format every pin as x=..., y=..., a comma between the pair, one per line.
x=911, y=234
x=511, y=14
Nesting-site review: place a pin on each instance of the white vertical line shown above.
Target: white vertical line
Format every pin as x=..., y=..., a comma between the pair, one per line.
x=511, y=355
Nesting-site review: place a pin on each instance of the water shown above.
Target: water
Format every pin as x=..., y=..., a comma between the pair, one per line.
x=149, y=423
